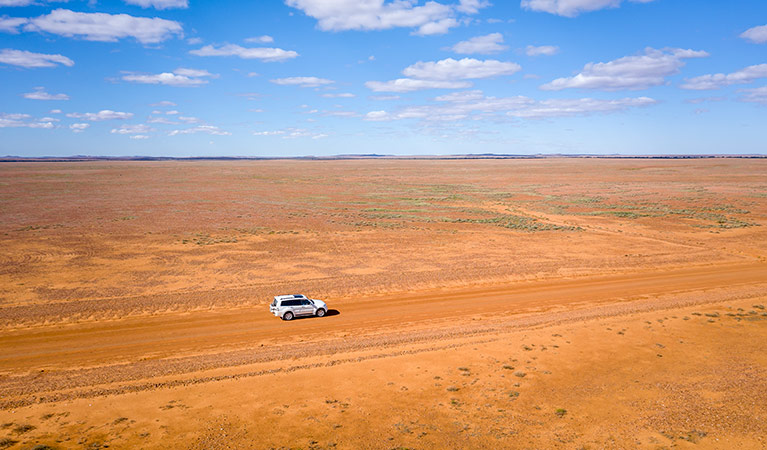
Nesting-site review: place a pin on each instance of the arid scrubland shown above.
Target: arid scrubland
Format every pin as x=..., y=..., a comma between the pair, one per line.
x=532, y=303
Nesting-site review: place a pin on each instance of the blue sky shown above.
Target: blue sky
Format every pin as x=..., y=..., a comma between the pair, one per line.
x=328, y=77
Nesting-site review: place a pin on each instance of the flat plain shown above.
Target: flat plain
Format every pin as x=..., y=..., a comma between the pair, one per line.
x=514, y=303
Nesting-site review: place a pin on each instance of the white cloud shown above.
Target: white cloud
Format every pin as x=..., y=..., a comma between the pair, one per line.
x=23, y=121
x=445, y=74
x=161, y=120
x=79, y=127
x=265, y=39
x=263, y=53
x=55, y=111
x=436, y=27
x=208, y=129
x=408, y=85
x=291, y=133
x=463, y=69
x=302, y=81
x=571, y=8
x=159, y=4
x=11, y=24
x=339, y=113
x=472, y=6
x=132, y=129
x=757, y=95
x=474, y=105
x=193, y=73
x=16, y=2
x=578, y=107
x=163, y=103
x=339, y=95
x=40, y=94
x=757, y=35
x=105, y=114
x=376, y=116
x=384, y=97
x=629, y=72
x=104, y=27
x=487, y=44
x=547, y=50
x=27, y=59
x=138, y=136
x=194, y=41
x=718, y=80
x=180, y=77
x=429, y=18
x=465, y=96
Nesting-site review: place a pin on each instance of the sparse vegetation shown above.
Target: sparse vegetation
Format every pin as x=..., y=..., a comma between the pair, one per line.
x=560, y=412
x=6, y=442
x=23, y=428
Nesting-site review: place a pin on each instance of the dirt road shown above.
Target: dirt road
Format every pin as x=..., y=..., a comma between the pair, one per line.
x=175, y=335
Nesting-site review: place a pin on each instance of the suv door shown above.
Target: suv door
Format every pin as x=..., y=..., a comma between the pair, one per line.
x=306, y=308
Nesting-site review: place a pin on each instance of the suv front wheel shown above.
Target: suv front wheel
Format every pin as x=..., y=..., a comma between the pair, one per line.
x=320, y=312
x=287, y=316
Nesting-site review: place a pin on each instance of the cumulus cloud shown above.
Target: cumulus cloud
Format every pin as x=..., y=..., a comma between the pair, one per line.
x=445, y=74
x=27, y=59
x=11, y=24
x=408, y=85
x=207, y=129
x=757, y=35
x=490, y=43
x=79, y=127
x=339, y=95
x=263, y=53
x=629, y=72
x=302, y=81
x=265, y=39
x=180, y=77
x=475, y=105
x=139, y=136
x=430, y=18
x=546, y=50
x=466, y=68
x=719, y=80
x=104, y=27
x=132, y=129
x=40, y=94
x=23, y=121
x=757, y=95
x=571, y=8
x=159, y=4
x=104, y=114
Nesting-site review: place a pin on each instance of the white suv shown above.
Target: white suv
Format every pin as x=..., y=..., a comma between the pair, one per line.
x=287, y=307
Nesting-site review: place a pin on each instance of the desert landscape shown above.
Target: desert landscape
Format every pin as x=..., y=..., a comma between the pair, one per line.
x=575, y=303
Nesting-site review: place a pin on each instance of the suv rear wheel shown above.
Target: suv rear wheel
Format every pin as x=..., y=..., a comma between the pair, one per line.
x=320, y=312
x=287, y=316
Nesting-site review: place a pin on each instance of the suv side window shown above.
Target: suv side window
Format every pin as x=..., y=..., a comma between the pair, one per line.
x=305, y=302
x=290, y=303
